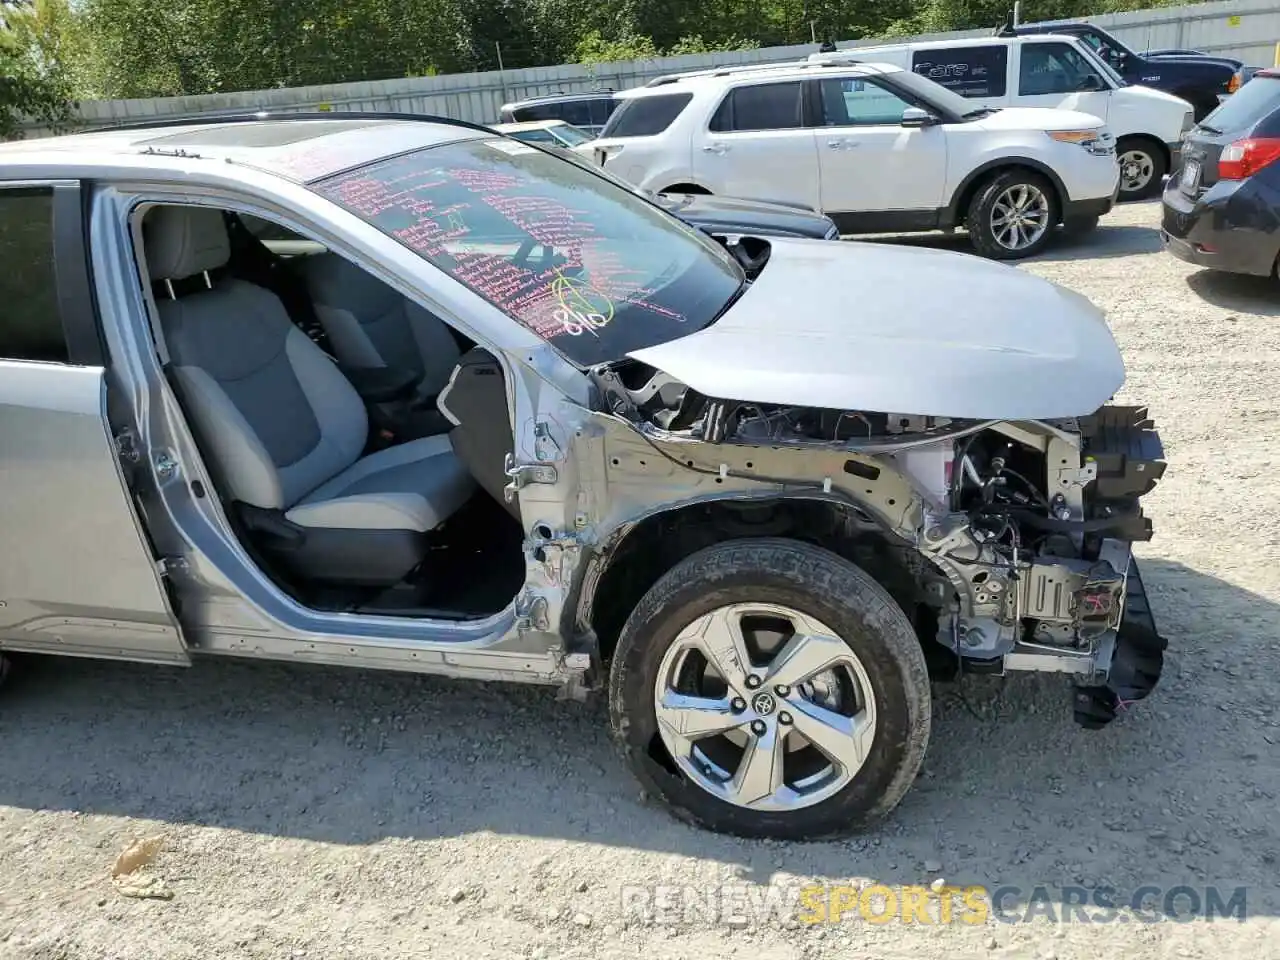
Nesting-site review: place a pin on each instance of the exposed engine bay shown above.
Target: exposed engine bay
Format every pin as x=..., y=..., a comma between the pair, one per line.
x=1022, y=537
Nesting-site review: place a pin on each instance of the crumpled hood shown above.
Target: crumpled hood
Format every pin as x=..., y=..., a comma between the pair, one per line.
x=868, y=326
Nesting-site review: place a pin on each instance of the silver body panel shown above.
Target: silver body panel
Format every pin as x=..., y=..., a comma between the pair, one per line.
x=76, y=576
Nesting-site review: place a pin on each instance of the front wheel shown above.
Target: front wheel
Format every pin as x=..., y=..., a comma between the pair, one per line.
x=769, y=688
x=1142, y=168
x=1012, y=215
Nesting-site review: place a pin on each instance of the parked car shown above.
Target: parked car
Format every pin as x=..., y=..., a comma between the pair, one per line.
x=586, y=111
x=1053, y=71
x=876, y=148
x=550, y=133
x=746, y=489
x=1202, y=80
x=1222, y=209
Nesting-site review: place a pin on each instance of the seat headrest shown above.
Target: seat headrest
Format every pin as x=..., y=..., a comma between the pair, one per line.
x=184, y=241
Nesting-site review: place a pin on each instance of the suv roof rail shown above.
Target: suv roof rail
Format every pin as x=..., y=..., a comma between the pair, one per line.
x=829, y=60
x=668, y=78
x=261, y=115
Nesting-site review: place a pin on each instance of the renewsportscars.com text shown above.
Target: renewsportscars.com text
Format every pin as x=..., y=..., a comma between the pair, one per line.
x=938, y=904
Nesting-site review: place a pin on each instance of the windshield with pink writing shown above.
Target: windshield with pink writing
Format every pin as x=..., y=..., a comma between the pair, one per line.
x=590, y=267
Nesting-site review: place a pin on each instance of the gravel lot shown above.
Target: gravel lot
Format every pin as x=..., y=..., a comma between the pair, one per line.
x=323, y=813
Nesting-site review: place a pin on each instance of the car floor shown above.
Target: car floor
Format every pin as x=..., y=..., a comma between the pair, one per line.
x=474, y=570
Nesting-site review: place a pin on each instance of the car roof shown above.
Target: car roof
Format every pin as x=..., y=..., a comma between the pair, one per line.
x=937, y=44
x=301, y=149
x=716, y=77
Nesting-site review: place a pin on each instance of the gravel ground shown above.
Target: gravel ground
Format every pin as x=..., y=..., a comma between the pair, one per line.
x=322, y=813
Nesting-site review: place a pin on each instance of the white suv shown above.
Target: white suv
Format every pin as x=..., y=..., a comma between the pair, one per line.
x=877, y=148
x=1053, y=70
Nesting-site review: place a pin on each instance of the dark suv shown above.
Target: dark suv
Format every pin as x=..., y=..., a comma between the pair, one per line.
x=1222, y=208
x=587, y=111
x=1201, y=80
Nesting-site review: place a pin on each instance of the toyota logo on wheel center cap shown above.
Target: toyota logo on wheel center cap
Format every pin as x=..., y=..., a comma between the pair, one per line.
x=763, y=704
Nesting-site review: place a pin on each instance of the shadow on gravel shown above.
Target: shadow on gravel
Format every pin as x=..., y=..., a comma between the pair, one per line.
x=1181, y=790
x=1106, y=242
x=1258, y=296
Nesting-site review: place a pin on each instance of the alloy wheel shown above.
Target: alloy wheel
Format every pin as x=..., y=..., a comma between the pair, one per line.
x=1020, y=216
x=765, y=707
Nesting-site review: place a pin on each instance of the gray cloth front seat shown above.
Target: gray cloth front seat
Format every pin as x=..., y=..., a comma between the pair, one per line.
x=371, y=325
x=284, y=429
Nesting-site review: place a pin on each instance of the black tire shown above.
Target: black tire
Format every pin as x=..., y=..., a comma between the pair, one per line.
x=1159, y=167
x=1079, y=227
x=982, y=206
x=818, y=583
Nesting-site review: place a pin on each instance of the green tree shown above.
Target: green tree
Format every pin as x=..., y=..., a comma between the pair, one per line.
x=142, y=48
x=146, y=48
x=34, y=84
x=695, y=44
x=593, y=48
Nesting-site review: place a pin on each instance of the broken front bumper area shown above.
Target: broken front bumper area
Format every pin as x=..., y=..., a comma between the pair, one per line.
x=1137, y=660
x=1130, y=459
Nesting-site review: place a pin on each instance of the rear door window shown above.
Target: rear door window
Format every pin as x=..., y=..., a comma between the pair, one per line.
x=760, y=106
x=30, y=318
x=601, y=110
x=974, y=72
x=553, y=110
x=646, y=116
x=576, y=112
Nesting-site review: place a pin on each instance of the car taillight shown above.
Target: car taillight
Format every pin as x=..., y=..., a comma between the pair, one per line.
x=1244, y=158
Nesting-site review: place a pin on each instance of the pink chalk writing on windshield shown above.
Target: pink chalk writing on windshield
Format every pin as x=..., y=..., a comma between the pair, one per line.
x=535, y=257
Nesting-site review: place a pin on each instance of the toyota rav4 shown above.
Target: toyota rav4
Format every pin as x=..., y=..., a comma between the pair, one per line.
x=417, y=396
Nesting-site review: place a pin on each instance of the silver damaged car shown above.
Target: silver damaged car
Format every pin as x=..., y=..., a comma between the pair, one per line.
x=413, y=395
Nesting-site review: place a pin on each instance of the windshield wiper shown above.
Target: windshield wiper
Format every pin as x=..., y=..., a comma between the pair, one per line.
x=980, y=112
x=1208, y=129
